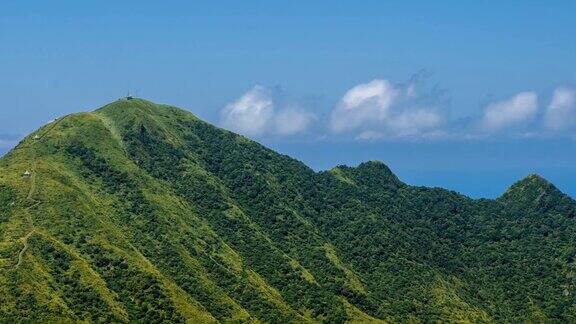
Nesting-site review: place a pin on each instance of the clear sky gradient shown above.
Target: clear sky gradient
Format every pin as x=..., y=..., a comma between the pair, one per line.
x=487, y=74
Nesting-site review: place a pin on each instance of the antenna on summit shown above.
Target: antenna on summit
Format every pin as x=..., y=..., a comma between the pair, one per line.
x=129, y=96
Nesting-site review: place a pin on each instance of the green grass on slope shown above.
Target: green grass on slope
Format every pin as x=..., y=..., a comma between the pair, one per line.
x=143, y=212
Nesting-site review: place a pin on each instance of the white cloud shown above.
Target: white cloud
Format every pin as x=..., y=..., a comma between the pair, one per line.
x=415, y=121
x=517, y=110
x=366, y=103
x=381, y=110
x=411, y=90
x=255, y=114
x=293, y=121
x=418, y=123
x=561, y=112
x=251, y=113
x=369, y=135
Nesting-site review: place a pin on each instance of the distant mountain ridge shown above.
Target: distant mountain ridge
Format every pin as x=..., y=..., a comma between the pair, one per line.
x=143, y=212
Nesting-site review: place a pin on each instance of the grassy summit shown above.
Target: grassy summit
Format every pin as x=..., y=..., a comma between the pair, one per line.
x=143, y=212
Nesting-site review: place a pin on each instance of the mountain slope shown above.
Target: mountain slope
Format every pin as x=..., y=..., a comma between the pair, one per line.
x=138, y=211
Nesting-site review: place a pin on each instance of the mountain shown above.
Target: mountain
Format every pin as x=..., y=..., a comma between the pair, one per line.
x=143, y=212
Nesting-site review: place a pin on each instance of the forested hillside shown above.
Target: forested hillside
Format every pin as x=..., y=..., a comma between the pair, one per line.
x=143, y=212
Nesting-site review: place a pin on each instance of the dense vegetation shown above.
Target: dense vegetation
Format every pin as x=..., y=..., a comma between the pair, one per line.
x=142, y=212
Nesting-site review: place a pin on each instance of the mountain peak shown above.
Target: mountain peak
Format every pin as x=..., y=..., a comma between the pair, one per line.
x=532, y=182
x=124, y=104
x=375, y=174
x=534, y=177
x=534, y=191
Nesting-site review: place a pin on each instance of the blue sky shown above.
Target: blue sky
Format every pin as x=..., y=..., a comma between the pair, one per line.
x=467, y=96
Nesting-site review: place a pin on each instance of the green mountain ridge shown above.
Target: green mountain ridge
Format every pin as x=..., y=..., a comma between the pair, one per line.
x=143, y=212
